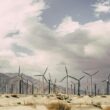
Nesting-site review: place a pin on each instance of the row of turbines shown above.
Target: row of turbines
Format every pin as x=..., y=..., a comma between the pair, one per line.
x=53, y=87
x=18, y=84
x=67, y=76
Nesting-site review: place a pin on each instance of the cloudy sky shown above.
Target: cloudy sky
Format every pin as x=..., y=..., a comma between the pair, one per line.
x=39, y=33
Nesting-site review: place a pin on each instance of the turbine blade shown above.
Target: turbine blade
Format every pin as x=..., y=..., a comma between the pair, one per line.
x=95, y=73
x=13, y=77
x=19, y=71
x=86, y=73
x=82, y=77
x=73, y=77
x=45, y=71
x=66, y=70
x=37, y=75
x=63, y=78
x=45, y=78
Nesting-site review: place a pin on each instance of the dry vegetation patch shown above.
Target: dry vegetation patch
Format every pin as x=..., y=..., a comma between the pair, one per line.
x=14, y=95
x=107, y=108
x=58, y=106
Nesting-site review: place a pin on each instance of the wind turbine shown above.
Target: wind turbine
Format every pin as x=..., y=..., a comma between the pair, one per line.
x=49, y=84
x=19, y=74
x=67, y=77
x=43, y=78
x=26, y=81
x=21, y=81
x=108, y=83
x=79, y=84
x=53, y=87
x=74, y=84
x=32, y=86
x=91, y=76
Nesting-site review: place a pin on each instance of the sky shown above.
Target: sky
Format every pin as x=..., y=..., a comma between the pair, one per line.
x=36, y=34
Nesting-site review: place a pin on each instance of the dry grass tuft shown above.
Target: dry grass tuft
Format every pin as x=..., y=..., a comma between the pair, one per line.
x=58, y=106
x=7, y=96
x=30, y=104
x=19, y=103
x=103, y=96
x=14, y=95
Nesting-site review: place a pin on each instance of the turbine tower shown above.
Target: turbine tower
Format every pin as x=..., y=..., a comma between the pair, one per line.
x=49, y=83
x=53, y=87
x=108, y=83
x=74, y=84
x=91, y=76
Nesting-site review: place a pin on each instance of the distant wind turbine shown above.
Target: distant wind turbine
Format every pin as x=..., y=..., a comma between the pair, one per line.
x=49, y=84
x=20, y=75
x=53, y=83
x=79, y=83
x=91, y=76
x=74, y=84
x=43, y=78
x=67, y=77
x=108, y=83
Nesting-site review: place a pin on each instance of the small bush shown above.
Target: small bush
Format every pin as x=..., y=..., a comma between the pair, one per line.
x=14, y=95
x=7, y=96
x=60, y=97
x=35, y=95
x=103, y=96
x=19, y=103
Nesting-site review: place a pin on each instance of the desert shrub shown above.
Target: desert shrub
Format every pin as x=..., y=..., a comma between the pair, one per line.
x=103, y=96
x=60, y=97
x=35, y=95
x=7, y=96
x=58, y=106
x=14, y=95
x=19, y=103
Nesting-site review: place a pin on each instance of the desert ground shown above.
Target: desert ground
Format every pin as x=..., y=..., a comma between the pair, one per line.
x=53, y=102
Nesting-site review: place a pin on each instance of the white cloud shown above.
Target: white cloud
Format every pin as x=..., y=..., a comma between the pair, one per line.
x=14, y=12
x=102, y=7
x=67, y=26
x=88, y=40
x=13, y=15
